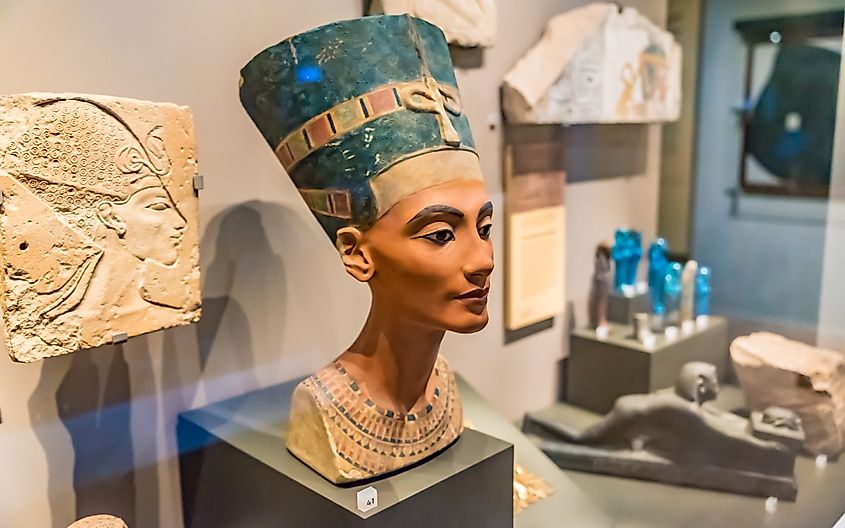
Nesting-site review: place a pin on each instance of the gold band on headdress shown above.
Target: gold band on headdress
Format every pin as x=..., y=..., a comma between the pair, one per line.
x=418, y=96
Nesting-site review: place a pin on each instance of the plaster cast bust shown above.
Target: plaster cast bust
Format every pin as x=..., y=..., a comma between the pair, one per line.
x=383, y=156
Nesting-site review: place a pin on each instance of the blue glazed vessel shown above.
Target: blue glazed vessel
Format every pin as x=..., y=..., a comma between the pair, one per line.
x=702, y=291
x=657, y=262
x=672, y=287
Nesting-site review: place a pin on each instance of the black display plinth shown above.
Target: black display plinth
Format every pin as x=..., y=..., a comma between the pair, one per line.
x=601, y=370
x=237, y=473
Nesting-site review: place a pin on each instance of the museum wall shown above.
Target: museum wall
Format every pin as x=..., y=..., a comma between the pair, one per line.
x=832, y=304
x=677, y=163
x=95, y=431
x=766, y=238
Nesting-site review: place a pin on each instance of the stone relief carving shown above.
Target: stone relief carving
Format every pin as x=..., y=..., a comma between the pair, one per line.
x=98, y=228
x=776, y=371
x=466, y=23
x=99, y=521
x=596, y=64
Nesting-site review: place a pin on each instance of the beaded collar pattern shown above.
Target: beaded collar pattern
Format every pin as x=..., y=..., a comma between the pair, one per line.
x=375, y=440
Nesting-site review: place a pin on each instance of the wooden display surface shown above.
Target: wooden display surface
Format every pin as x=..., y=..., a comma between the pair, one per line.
x=638, y=504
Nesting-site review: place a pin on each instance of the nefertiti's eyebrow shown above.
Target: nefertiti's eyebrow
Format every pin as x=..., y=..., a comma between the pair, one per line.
x=486, y=210
x=432, y=210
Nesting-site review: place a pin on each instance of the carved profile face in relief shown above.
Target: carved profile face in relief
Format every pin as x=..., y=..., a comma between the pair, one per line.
x=93, y=234
x=148, y=224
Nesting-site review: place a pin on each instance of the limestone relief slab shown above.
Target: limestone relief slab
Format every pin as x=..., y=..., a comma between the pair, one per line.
x=466, y=23
x=596, y=64
x=98, y=227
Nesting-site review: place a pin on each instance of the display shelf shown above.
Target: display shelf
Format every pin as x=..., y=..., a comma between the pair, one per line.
x=635, y=503
x=601, y=370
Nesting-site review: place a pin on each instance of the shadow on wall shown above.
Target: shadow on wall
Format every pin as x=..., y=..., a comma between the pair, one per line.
x=118, y=404
x=92, y=400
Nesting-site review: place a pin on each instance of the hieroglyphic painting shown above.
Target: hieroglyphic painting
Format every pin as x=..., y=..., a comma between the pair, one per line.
x=597, y=64
x=98, y=227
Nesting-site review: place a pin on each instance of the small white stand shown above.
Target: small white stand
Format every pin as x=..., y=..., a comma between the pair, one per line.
x=702, y=321
x=367, y=499
x=642, y=287
x=671, y=334
x=649, y=341
x=602, y=332
x=771, y=505
x=688, y=328
x=821, y=461
x=641, y=327
x=629, y=291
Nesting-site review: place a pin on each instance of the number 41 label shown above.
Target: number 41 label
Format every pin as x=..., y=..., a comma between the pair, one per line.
x=367, y=499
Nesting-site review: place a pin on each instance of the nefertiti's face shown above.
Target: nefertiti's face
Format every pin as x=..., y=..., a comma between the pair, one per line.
x=432, y=256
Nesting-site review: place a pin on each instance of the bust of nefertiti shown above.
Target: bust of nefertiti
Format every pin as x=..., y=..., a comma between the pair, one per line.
x=365, y=116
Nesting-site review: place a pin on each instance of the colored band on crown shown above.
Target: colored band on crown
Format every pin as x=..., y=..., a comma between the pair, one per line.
x=418, y=96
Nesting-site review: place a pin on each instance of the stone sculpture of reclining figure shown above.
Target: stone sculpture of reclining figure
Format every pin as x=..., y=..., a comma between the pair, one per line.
x=675, y=429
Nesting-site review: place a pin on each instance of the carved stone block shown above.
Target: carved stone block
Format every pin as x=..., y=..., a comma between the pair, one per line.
x=98, y=228
x=99, y=521
x=466, y=23
x=596, y=64
x=776, y=371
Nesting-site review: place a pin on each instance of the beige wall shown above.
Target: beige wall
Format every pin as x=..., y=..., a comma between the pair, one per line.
x=832, y=304
x=277, y=303
x=678, y=152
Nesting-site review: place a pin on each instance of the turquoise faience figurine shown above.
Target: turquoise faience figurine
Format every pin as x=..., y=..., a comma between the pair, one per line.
x=702, y=291
x=657, y=262
x=672, y=287
x=626, y=253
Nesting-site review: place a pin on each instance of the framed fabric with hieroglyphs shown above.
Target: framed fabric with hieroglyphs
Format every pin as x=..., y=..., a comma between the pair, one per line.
x=98, y=227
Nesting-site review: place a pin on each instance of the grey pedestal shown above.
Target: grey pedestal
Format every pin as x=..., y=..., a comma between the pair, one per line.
x=237, y=473
x=568, y=506
x=621, y=309
x=599, y=371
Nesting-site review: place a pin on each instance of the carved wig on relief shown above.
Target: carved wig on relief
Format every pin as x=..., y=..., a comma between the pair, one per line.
x=98, y=227
x=366, y=118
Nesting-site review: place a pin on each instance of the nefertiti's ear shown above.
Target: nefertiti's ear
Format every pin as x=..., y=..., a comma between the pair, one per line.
x=108, y=216
x=354, y=253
